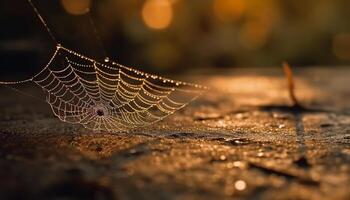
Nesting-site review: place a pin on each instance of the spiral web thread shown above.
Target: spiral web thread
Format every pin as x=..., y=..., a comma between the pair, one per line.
x=106, y=96
x=109, y=96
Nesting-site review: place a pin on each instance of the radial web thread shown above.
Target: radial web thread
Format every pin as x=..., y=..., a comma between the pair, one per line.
x=109, y=96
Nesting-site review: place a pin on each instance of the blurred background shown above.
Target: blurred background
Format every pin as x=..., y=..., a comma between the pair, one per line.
x=172, y=36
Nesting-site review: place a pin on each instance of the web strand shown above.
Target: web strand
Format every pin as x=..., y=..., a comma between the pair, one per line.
x=106, y=96
x=43, y=22
x=97, y=35
x=21, y=92
x=15, y=82
x=109, y=96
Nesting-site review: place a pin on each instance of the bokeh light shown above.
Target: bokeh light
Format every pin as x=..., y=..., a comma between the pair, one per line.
x=229, y=10
x=253, y=35
x=240, y=185
x=180, y=35
x=76, y=7
x=157, y=14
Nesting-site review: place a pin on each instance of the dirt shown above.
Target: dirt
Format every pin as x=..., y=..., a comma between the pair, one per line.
x=241, y=140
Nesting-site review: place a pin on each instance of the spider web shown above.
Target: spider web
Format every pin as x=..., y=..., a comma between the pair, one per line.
x=106, y=96
x=109, y=96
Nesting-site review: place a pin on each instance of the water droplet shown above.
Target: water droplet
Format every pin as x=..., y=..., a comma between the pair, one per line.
x=229, y=165
x=280, y=116
x=133, y=151
x=106, y=59
x=239, y=164
x=241, y=116
x=221, y=123
x=240, y=185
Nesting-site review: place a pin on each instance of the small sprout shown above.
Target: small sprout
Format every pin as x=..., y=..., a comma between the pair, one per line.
x=290, y=81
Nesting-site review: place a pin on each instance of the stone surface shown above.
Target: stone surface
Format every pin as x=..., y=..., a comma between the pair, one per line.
x=241, y=140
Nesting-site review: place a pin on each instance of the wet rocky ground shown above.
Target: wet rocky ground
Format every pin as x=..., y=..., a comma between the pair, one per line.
x=241, y=140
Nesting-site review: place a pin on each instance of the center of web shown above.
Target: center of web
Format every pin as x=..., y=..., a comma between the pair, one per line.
x=100, y=111
x=126, y=98
x=109, y=97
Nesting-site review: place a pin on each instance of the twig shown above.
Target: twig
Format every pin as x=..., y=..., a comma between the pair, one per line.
x=291, y=86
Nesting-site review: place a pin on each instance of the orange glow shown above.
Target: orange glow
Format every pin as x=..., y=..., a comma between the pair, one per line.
x=157, y=14
x=341, y=46
x=228, y=10
x=253, y=35
x=240, y=185
x=76, y=7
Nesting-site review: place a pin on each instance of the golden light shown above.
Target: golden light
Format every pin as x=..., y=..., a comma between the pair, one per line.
x=253, y=35
x=157, y=14
x=229, y=10
x=341, y=46
x=240, y=185
x=76, y=7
